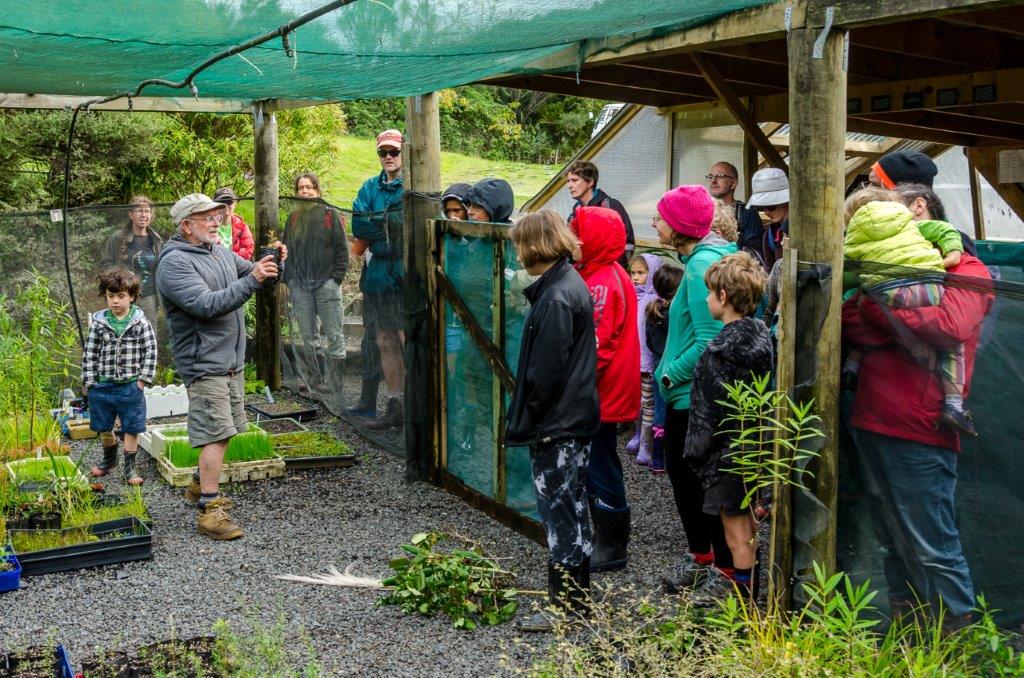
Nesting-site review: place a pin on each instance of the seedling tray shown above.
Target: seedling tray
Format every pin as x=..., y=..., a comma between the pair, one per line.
x=234, y=472
x=147, y=440
x=282, y=410
x=69, y=473
x=312, y=460
x=280, y=425
x=10, y=580
x=137, y=545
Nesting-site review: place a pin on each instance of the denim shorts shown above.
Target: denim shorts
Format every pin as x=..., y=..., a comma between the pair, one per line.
x=109, y=401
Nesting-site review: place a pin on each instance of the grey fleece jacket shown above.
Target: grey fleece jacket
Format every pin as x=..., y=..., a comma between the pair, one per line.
x=203, y=290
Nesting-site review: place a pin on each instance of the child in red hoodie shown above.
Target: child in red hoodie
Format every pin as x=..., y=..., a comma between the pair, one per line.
x=602, y=238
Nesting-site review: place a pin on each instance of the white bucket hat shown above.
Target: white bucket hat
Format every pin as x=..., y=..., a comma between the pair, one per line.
x=768, y=186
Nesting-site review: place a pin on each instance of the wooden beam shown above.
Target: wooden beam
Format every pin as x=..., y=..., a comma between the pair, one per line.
x=892, y=129
x=141, y=104
x=1000, y=86
x=977, y=207
x=952, y=122
x=739, y=111
x=938, y=41
x=986, y=161
x=756, y=24
x=750, y=158
x=817, y=137
x=1009, y=21
x=566, y=85
x=421, y=169
x=267, y=337
x=736, y=70
x=859, y=13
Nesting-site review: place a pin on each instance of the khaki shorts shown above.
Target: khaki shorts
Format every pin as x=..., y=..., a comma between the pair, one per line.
x=216, y=408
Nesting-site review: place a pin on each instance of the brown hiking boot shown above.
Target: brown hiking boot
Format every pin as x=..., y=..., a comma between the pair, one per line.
x=215, y=522
x=192, y=494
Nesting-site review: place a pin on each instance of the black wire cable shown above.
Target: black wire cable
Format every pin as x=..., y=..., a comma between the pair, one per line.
x=281, y=31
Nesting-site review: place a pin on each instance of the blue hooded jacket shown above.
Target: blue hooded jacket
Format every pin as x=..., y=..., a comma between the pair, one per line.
x=377, y=218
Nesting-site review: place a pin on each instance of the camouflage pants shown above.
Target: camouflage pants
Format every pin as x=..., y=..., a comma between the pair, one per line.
x=560, y=478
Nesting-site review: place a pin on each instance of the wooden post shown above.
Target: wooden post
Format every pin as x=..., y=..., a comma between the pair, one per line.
x=421, y=168
x=977, y=206
x=817, y=118
x=750, y=157
x=267, y=347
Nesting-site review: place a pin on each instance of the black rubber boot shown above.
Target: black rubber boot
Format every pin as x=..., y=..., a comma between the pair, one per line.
x=109, y=462
x=367, y=405
x=394, y=416
x=611, y=538
x=568, y=591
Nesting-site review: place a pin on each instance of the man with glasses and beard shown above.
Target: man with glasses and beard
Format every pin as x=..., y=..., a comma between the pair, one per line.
x=203, y=286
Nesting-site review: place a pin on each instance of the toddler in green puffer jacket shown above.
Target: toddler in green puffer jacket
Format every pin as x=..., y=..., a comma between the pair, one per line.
x=908, y=260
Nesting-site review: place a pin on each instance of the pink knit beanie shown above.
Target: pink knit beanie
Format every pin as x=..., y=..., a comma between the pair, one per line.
x=688, y=209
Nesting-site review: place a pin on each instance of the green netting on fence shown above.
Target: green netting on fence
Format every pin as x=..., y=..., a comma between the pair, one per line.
x=368, y=49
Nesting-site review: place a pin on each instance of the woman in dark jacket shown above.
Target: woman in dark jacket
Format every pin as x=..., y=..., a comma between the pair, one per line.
x=554, y=409
x=137, y=248
x=317, y=262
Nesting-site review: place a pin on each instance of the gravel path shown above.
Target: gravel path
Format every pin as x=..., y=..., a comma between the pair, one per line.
x=300, y=524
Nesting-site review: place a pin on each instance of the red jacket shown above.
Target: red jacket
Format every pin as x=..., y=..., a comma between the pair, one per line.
x=896, y=395
x=241, y=238
x=603, y=238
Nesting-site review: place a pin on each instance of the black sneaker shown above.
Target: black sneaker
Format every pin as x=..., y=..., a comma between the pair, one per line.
x=958, y=420
x=686, y=574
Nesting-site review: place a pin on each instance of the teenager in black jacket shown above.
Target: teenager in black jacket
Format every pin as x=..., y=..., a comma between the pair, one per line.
x=554, y=409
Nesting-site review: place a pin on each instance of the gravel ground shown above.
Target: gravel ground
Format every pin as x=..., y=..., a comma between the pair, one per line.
x=300, y=524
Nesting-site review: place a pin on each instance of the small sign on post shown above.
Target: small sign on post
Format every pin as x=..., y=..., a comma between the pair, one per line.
x=56, y=215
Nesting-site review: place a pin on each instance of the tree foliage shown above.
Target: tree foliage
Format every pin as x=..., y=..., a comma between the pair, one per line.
x=166, y=155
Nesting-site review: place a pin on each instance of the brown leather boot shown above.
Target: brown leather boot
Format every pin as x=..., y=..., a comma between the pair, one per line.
x=215, y=522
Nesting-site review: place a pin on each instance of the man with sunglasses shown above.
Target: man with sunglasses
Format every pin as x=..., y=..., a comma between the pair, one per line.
x=234, y=232
x=377, y=222
x=203, y=286
x=722, y=182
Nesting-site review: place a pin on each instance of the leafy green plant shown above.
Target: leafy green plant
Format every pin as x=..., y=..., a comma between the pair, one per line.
x=462, y=583
x=837, y=633
x=27, y=541
x=308, y=444
x=252, y=383
x=58, y=470
x=86, y=508
x=37, y=340
x=770, y=435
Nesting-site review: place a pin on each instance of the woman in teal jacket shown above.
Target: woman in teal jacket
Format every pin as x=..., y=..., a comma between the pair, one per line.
x=683, y=222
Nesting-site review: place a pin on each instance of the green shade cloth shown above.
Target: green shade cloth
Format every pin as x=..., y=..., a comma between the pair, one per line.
x=364, y=50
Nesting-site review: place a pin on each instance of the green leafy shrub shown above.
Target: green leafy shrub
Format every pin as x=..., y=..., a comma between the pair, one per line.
x=838, y=633
x=463, y=582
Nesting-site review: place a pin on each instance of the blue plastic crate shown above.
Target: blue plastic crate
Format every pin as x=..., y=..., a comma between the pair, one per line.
x=64, y=669
x=11, y=579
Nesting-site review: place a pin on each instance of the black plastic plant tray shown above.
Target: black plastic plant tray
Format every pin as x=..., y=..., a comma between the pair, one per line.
x=298, y=415
x=137, y=546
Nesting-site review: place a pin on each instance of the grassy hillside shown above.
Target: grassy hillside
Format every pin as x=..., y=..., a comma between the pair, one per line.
x=356, y=159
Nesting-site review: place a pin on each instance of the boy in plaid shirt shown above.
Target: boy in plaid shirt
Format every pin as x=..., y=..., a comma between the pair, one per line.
x=118, y=361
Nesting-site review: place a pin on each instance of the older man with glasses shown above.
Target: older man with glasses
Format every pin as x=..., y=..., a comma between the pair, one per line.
x=722, y=182
x=204, y=286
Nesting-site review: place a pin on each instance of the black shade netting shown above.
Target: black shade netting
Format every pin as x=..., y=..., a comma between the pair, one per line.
x=926, y=510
